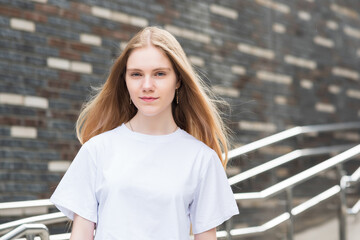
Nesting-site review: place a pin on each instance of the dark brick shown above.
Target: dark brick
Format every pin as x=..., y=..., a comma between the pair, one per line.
x=47, y=9
x=80, y=47
x=69, y=76
x=57, y=42
x=73, y=15
x=85, y=8
x=69, y=54
x=10, y=120
x=9, y=11
x=35, y=17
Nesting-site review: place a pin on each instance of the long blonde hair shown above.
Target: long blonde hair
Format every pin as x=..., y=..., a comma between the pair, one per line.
x=196, y=112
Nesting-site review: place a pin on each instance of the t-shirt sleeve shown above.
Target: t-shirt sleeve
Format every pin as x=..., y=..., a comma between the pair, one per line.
x=76, y=190
x=214, y=200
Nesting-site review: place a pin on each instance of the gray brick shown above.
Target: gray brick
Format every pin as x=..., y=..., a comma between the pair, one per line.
x=72, y=96
x=16, y=110
x=93, y=59
x=59, y=105
x=19, y=187
x=75, y=26
x=61, y=125
x=24, y=47
x=4, y=21
x=35, y=82
x=10, y=165
x=68, y=135
x=101, y=53
x=6, y=44
x=47, y=51
x=33, y=39
x=50, y=178
x=59, y=3
x=9, y=33
x=36, y=166
x=23, y=143
x=90, y=19
x=47, y=156
x=20, y=176
x=4, y=131
x=51, y=31
x=11, y=56
x=34, y=60
x=46, y=134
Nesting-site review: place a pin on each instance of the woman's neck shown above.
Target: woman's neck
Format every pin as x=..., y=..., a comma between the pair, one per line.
x=152, y=125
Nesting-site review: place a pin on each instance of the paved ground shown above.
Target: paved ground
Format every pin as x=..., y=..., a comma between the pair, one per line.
x=330, y=230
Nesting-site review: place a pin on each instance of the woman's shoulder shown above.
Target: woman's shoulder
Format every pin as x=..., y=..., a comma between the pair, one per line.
x=193, y=142
x=101, y=139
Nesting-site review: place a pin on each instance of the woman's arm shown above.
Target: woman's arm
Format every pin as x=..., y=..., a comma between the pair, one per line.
x=82, y=229
x=208, y=235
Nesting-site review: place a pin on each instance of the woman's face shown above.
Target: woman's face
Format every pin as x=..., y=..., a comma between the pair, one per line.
x=151, y=81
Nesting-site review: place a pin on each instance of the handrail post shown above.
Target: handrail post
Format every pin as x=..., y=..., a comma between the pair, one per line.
x=289, y=206
x=342, y=210
x=228, y=226
x=30, y=236
x=29, y=230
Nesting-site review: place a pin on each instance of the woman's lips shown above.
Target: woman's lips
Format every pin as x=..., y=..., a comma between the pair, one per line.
x=148, y=99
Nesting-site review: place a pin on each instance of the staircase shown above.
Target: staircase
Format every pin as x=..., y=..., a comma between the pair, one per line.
x=312, y=185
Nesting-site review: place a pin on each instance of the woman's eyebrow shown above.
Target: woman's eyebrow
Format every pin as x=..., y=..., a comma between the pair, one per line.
x=156, y=69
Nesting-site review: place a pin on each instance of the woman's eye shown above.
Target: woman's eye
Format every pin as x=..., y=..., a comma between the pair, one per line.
x=160, y=74
x=135, y=74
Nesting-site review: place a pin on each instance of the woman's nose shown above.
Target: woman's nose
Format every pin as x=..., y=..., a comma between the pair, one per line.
x=148, y=82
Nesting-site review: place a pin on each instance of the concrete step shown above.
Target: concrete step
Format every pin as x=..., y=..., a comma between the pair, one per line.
x=330, y=230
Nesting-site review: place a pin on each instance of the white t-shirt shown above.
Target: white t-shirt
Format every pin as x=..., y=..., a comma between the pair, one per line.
x=149, y=187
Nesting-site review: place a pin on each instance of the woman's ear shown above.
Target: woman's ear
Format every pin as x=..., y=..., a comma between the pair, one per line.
x=178, y=83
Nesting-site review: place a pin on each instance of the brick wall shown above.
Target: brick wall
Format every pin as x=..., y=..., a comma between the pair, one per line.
x=278, y=63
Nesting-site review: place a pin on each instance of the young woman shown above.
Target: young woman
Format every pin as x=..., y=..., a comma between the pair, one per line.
x=151, y=161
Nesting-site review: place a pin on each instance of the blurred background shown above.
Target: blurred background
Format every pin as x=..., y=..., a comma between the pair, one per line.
x=279, y=64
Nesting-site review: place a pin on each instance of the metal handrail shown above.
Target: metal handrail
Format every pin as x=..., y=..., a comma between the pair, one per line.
x=286, y=216
x=300, y=177
x=285, y=159
x=347, y=181
x=291, y=133
x=288, y=184
x=26, y=204
x=355, y=209
x=30, y=230
x=44, y=219
x=355, y=177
